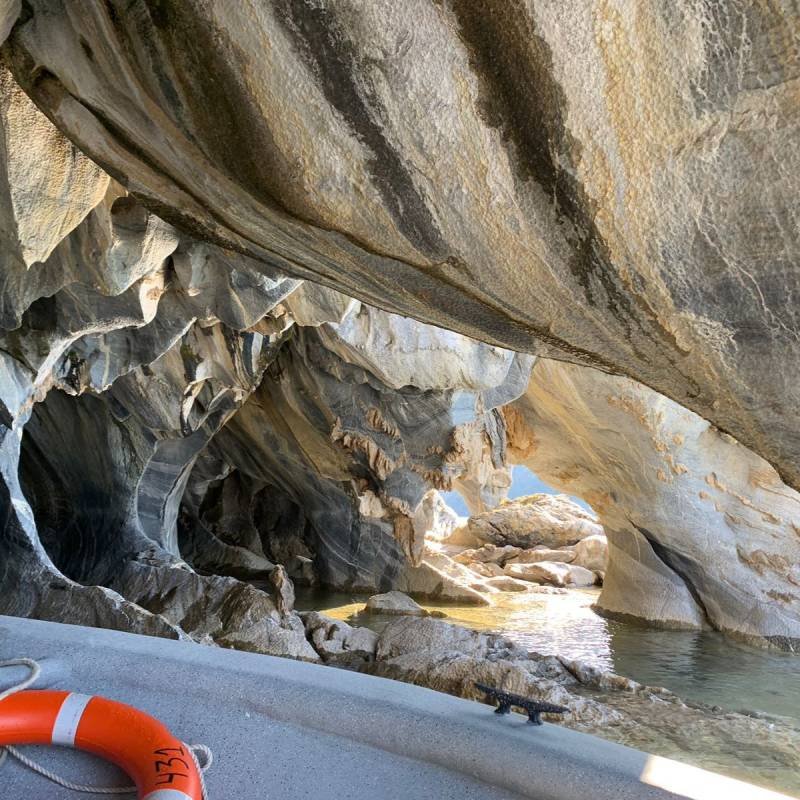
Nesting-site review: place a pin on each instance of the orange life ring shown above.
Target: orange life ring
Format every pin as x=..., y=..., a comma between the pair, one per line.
x=161, y=765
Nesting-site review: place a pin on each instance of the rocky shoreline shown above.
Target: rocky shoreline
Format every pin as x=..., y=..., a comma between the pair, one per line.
x=430, y=652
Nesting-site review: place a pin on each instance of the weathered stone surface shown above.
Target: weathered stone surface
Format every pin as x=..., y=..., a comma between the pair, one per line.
x=592, y=553
x=127, y=349
x=539, y=519
x=49, y=186
x=700, y=529
x=284, y=590
x=338, y=642
x=394, y=603
x=161, y=387
x=505, y=583
x=554, y=573
x=487, y=569
x=438, y=577
x=357, y=458
x=488, y=554
x=481, y=167
x=580, y=576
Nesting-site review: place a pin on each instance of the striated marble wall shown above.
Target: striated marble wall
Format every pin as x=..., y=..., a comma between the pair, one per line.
x=217, y=221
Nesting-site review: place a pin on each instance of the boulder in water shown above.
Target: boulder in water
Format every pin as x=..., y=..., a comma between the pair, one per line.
x=396, y=603
x=552, y=572
x=552, y=520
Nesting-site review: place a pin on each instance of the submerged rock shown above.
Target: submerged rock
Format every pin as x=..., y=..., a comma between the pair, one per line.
x=394, y=603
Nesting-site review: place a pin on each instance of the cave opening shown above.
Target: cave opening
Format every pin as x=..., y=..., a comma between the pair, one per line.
x=523, y=482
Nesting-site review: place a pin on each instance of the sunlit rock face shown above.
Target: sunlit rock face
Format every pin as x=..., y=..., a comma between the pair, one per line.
x=618, y=189
x=538, y=519
x=700, y=529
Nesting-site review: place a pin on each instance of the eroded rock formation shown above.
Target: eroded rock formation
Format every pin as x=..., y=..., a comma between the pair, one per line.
x=181, y=411
x=176, y=419
x=701, y=530
x=614, y=187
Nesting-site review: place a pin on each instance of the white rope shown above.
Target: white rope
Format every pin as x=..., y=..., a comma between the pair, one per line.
x=76, y=787
x=208, y=756
x=208, y=760
x=35, y=669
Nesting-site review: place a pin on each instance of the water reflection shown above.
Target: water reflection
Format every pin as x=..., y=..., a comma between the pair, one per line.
x=703, y=667
x=707, y=667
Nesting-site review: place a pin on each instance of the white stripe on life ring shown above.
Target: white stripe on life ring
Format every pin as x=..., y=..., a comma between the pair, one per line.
x=68, y=719
x=166, y=794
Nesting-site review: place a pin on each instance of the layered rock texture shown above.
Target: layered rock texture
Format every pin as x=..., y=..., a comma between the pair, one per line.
x=218, y=219
x=177, y=418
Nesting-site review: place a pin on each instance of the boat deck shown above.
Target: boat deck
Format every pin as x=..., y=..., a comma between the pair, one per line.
x=288, y=730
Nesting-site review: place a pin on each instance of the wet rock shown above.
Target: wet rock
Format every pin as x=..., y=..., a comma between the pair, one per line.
x=338, y=642
x=394, y=603
x=439, y=656
x=449, y=658
x=590, y=675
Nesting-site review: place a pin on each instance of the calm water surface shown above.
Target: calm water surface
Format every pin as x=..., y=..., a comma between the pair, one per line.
x=704, y=667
